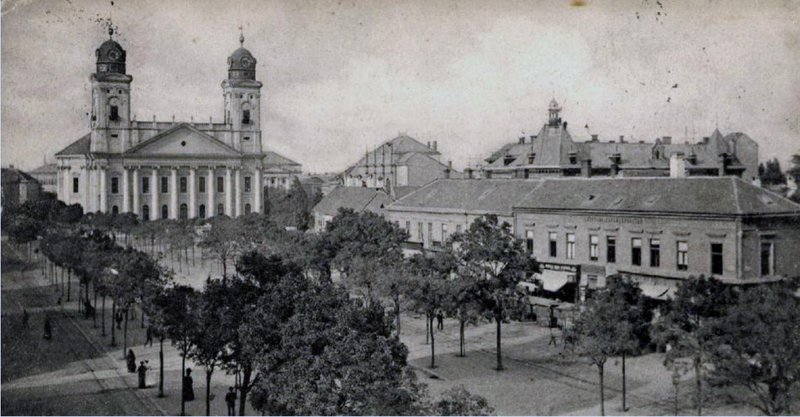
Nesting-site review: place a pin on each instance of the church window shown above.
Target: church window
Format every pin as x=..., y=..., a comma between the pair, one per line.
x=247, y=208
x=114, y=210
x=164, y=185
x=220, y=209
x=202, y=211
x=114, y=114
x=247, y=184
x=145, y=185
x=183, y=185
x=246, y=117
x=145, y=212
x=75, y=185
x=247, y=138
x=164, y=212
x=114, y=185
x=220, y=185
x=184, y=212
x=202, y=184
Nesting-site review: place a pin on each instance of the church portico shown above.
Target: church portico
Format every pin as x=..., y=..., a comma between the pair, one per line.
x=167, y=170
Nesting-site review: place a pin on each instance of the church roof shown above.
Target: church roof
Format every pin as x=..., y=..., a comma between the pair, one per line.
x=182, y=139
x=273, y=159
x=81, y=146
x=46, y=169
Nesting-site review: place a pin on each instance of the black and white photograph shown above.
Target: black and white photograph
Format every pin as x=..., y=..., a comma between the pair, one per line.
x=379, y=208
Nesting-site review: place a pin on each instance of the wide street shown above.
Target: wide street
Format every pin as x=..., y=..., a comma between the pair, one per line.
x=77, y=372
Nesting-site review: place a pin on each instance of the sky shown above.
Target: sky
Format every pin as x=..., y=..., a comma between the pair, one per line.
x=341, y=77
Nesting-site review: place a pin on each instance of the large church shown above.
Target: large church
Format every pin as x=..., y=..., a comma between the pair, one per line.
x=168, y=170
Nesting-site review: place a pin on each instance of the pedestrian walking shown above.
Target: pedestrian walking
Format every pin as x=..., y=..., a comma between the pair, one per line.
x=440, y=320
x=119, y=319
x=131, y=358
x=142, y=374
x=230, y=401
x=48, y=330
x=25, y=318
x=149, y=336
x=188, y=388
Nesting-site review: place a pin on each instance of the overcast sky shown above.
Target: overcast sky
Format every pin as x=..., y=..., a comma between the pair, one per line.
x=342, y=76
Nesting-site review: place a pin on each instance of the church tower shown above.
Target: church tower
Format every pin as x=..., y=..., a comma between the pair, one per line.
x=111, y=99
x=242, y=94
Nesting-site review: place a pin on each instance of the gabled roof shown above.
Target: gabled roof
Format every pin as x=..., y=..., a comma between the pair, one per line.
x=272, y=158
x=356, y=198
x=79, y=147
x=692, y=195
x=394, y=151
x=475, y=196
x=16, y=175
x=168, y=141
x=46, y=169
x=552, y=148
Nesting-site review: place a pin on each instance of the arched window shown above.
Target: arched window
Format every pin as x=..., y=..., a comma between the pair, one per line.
x=202, y=211
x=247, y=208
x=220, y=209
x=164, y=212
x=114, y=210
x=145, y=212
x=184, y=214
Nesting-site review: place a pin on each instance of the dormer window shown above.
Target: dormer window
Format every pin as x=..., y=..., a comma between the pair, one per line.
x=508, y=159
x=245, y=117
x=114, y=113
x=531, y=157
x=573, y=158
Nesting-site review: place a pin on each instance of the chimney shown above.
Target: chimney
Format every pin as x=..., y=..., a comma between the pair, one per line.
x=448, y=170
x=532, y=138
x=666, y=140
x=677, y=165
x=723, y=164
x=429, y=145
x=621, y=138
x=586, y=168
x=435, y=145
x=522, y=140
x=594, y=138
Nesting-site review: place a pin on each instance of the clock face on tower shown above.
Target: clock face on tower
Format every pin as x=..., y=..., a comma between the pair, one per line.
x=114, y=55
x=247, y=61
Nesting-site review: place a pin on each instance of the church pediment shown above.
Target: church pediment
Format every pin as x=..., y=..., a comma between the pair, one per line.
x=183, y=139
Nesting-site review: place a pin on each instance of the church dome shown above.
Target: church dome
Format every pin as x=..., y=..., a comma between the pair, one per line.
x=241, y=63
x=110, y=56
x=554, y=104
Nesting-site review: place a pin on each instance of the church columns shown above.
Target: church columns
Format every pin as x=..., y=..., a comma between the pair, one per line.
x=126, y=192
x=173, y=193
x=65, y=185
x=192, y=193
x=257, y=191
x=86, y=176
x=211, y=189
x=155, y=210
x=135, y=191
x=103, y=190
x=238, y=192
x=228, y=193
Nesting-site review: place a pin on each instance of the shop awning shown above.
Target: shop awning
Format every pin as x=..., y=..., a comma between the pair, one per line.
x=657, y=291
x=553, y=280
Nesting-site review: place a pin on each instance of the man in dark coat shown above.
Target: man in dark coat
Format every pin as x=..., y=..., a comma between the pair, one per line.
x=188, y=388
x=142, y=375
x=230, y=401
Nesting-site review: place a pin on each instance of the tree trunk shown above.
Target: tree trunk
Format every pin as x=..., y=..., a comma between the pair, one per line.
x=183, y=376
x=224, y=269
x=461, y=323
x=624, y=405
x=397, y=312
x=499, y=321
x=427, y=330
x=69, y=283
x=699, y=384
x=433, y=345
x=600, y=371
x=125, y=333
x=676, y=383
x=103, y=317
x=209, y=371
x=113, y=318
x=94, y=313
x=243, y=388
x=161, y=367
x=62, y=282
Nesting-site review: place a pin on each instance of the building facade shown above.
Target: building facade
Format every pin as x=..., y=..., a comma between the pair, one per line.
x=554, y=152
x=47, y=175
x=167, y=169
x=657, y=231
x=399, y=162
x=18, y=187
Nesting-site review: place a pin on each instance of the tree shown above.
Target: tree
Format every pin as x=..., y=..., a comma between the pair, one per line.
x=771, y=173
x=222, y=241
x=603, y=331
x=364, y=235
x=179, y=306
x=497, y=261
x=686, y=326
x=457, y=401
x=758, y=346
x=794, y=171
x=209, y=340
x=426, y=289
